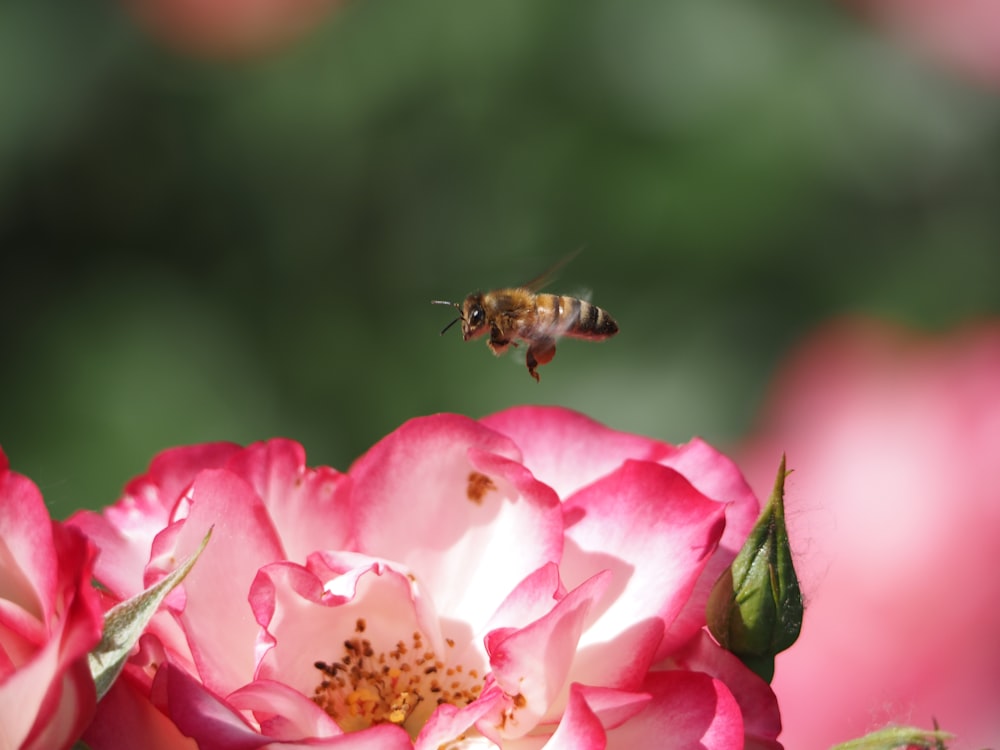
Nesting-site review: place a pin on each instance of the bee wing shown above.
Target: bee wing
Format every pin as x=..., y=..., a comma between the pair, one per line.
x=547, y=276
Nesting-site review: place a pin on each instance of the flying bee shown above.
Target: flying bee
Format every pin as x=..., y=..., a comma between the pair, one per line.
x=521, y=314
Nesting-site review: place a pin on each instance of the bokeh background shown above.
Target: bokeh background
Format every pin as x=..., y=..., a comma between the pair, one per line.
x=202, y=244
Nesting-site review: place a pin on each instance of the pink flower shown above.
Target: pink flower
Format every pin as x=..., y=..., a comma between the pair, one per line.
x=894, y=515
x=50, y=617
x=229, y=28
x=531, y=579
x=962, y=34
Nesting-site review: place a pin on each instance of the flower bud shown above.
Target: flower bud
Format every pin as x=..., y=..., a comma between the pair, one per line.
x=755, y=608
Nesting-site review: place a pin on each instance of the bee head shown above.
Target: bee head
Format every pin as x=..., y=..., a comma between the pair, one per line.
x=473, y=317
x=470, y=312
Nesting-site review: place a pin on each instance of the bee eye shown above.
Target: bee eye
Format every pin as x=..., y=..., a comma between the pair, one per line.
x=476, y=317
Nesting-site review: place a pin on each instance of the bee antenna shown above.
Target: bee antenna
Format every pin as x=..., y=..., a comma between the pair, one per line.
x=450, y=304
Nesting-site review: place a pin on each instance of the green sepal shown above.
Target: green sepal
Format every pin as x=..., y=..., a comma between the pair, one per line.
x=126, y=621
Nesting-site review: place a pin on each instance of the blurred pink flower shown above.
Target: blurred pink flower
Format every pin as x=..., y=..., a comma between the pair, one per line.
x=50, y=617
x=962, y=34
x=229, y=28
x=893, y=511
x=531, y=579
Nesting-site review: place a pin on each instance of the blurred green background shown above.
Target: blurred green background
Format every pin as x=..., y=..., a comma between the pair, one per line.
x=198, y=250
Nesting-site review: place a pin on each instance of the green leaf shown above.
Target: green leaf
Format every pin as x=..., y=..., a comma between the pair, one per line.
x=125, y=622
x=755, y=608
x=892, y=738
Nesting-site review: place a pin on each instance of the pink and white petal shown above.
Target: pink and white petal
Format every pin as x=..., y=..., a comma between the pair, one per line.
x=580, y=728
x=149, y=654
x=530, y=600
x=568, y=450
x=28, y=571
x=172, y=471
x=531, y=664
x=761, y=718
x=76, y=606
x=601, y=709
x=449, y=723
x=719, y=479
x=303, y=503
x=687, y=710
x=124, y=532
x=215, y=724
x=365, y=628
x=124, y=551
x=283, y=712
x=47, y=695
x=298, y=624
x=21, y=632
x=612, y=707
x=654, y=532
x=340, y=571
x=589, y=713
x=201, y=714
x=380, y=737
x=295, y=586
x=127, y=720
x=65, y=709
x=447, y=497
x=217, y=617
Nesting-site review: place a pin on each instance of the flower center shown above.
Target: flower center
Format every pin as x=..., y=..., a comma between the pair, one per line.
x=401, y=686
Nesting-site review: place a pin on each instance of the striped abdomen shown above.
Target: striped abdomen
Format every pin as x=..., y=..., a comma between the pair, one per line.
x=561, y=315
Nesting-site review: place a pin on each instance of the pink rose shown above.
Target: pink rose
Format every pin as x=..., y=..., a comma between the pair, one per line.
x=50, y=617
x=531, y=579
x=229, y=28
x=962, y=34
x=893, y=511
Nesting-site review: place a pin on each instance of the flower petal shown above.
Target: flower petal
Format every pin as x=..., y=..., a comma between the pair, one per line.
x=687, y=710
x=448, y=722
x=28, y=571
x=374, y=636
x=719, y=479
x=216, y=725
x=579, y=729
x=531, y=664
x=124, y=532
x=531, y=599
x=217, y=617
x=647, y=525
x=612, y=707
x=568, y=450
x=446, y=497
x=303, y=503
x=50, y=617
x=127, y=720
x=283, y=712
x=201, y=714
x=762, y=721
x=54, y=697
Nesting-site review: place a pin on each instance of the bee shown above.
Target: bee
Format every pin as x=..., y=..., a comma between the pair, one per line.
x=521, y=314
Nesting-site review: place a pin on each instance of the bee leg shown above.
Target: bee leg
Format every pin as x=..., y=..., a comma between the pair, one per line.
x=539, y=353
x=497, y=343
